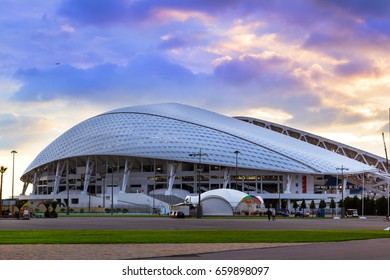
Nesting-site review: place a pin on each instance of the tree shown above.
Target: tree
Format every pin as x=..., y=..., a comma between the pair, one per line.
x=53, y=213
x=303, y=207
x=49, y=203
x=332, y=205
x=322, y=206
x=312, y=207
x=2, y=171
x=381, y=206
x=295, y=206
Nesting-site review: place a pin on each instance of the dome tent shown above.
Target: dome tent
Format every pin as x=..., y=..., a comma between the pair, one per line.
x=227, y=202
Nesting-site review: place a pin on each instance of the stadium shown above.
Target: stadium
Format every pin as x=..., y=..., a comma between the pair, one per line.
x=156, y=156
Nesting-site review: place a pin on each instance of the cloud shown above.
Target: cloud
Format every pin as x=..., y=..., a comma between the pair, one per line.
x=169, y=42
x=252, y=68
x=102, y=12
x=142, y=74
x=18, y=129
x=106, y=12
x=373, y=8
x=363, y=68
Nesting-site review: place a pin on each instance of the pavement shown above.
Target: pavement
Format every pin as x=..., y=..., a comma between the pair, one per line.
x=376, y=249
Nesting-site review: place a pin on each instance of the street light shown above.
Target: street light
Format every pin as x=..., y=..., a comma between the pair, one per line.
x=13, y=171
x=67, y=188
x=363, y=195
x=112, y=166
x=199, y=213
x=387, y=167
x=112, y=188
x=342, y=168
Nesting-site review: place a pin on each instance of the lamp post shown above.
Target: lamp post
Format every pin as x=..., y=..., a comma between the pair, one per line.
x=363, y=195
x=342, y=168
x=67, y=187
x=13, y=171
x=112, y=188
x=387, y=169
x=337, y=189
x=112, y=166
x=237, y=152
x=199, y=213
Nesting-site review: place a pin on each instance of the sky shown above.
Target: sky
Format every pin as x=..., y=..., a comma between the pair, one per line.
x=315, y=65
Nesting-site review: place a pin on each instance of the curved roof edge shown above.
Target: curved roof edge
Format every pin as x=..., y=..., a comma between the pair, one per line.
x=322, y=142
x=227, y=125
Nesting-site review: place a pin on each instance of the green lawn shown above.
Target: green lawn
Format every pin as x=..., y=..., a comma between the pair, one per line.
x=182, y=236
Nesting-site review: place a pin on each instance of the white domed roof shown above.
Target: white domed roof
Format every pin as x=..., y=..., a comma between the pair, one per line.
x=173, y=131
x=232, y=196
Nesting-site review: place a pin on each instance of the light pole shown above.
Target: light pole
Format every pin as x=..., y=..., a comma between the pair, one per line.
x=363, y=195
x=342, y=168
x=112, y=189
x=67, y=188
x=199, y=213
x=337, y=188
x=112, y=166
x=387, y=168
x=237, y=152
x=13, y=171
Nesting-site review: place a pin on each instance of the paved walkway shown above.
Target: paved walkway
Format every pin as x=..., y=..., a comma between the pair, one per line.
x=374, y=249
x=121, y=251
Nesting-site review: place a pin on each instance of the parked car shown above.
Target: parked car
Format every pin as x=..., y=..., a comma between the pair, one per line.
x=351, y=213
x=302, y=214
x=283, y=214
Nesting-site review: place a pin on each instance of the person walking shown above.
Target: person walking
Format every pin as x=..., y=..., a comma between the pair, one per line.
x=273, y=214
x=269, y=214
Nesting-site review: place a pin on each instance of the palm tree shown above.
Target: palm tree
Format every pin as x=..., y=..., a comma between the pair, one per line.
x=2, y=170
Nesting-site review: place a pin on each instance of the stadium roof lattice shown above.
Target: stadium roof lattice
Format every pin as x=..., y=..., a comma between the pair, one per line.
x=172, y=131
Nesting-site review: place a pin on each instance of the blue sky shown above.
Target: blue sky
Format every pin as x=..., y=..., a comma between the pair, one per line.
x=320, y=66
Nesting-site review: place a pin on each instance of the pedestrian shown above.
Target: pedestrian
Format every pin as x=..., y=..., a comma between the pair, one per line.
x=269, y=214
x=273, y=214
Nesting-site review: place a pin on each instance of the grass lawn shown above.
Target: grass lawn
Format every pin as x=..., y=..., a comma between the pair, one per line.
x=182, y=236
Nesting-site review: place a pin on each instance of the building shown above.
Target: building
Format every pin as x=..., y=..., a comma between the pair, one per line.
x=153, y=156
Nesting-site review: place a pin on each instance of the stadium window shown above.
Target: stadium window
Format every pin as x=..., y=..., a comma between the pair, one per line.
x=214, y=167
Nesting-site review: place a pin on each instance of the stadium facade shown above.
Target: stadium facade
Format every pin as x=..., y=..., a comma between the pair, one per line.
x=157, y=155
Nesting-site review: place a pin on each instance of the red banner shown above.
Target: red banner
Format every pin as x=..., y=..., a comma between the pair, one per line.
x=304, y=186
